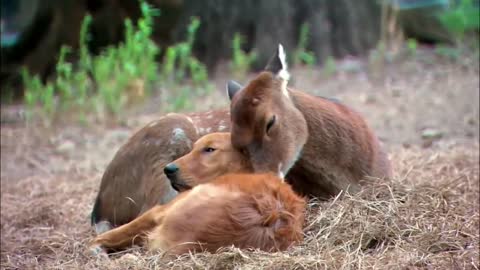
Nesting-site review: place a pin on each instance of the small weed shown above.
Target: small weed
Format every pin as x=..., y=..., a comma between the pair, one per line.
x=168, y=66
x=330, y=67
x=180, y=64
x=412, y=46
x=462, y=21
x=118, y=76
x=117, y=68
x=377, y=59
x=179, y=60
x=38, y=94
x=301, y=55
x=451, y=53
x=241, y=61
x=198, y=72
x=182, y=99
x=7, y=95
x=461, y=18
x=110, y=72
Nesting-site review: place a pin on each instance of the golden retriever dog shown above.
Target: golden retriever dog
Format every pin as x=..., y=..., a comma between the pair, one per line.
x=222, y=204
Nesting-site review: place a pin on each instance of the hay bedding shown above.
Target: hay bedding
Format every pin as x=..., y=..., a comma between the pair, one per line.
x=425, y=218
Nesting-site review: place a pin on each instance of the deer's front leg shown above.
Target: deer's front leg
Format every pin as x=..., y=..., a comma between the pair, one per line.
x=131, y=233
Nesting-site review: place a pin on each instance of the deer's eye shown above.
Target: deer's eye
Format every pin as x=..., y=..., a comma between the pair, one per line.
x=208, y=149
x=270, y=123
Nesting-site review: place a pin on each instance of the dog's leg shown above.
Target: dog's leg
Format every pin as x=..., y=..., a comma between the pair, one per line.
x=131, y=233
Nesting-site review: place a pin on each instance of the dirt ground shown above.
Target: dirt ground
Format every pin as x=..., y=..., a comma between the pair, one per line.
x=425, y=110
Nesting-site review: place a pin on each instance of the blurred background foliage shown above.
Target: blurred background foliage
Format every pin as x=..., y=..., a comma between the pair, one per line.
x=101, y=55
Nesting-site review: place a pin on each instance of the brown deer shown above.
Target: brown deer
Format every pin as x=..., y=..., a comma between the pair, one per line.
x=227, y=206
x=324, y=146
x=134, y=180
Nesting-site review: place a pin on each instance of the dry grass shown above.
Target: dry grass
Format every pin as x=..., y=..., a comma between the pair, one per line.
x=426, y=218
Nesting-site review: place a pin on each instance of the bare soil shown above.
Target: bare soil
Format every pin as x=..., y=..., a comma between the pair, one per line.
x=427, y=217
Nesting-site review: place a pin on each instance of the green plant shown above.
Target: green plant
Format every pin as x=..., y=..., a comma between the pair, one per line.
x=241, y=61
x=451, y=53
x=182, y=99
x=118, y=76
x=7, y=95
x=117, y=67
x=198, y=72
x=110, y=73
x=179, y=64
x=461, y=18
x=37, y=94
x=412, y=46
x=180, y=61
x=301, y=55
x=185, y=57
x=330, y=66
x=168, y=65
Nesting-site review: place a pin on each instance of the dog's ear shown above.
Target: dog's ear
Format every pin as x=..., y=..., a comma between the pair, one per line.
x=278, y=64
x=232, y=88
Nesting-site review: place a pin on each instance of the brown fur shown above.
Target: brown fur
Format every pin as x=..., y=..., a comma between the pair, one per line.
x=134, y=180
x=245, y=210
x=337, y=151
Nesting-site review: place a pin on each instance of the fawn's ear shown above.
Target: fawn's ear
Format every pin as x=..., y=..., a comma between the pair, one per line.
x=232, y=88
x=278, y=64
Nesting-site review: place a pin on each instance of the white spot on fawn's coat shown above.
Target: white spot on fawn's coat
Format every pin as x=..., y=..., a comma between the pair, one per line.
x=103, y=226
x=178, y=136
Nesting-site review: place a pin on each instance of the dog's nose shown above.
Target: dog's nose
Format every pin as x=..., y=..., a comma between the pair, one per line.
x=170, y=169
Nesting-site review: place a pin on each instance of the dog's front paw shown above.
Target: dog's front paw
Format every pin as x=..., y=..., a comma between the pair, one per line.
x=98, y=250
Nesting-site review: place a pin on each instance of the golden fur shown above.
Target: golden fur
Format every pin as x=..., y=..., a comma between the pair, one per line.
x=241, y=209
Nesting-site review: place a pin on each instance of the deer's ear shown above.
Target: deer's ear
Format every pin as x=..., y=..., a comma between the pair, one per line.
x=278, y=64
x=232, y=88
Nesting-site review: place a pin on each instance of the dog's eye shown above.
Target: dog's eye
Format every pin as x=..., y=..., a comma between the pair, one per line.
x=208, y=149
x=270, y=123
